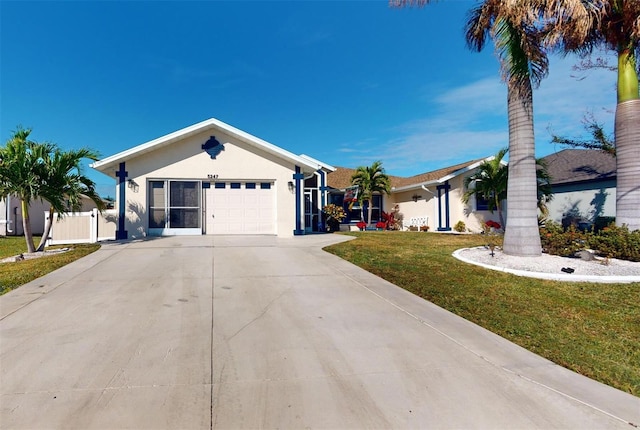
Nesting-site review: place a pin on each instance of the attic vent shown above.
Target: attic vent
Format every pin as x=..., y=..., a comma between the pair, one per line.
x=213, y=147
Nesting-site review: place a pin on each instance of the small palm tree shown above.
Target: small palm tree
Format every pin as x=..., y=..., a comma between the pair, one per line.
x=32, y=170
x=491, y=179
x=65, y=185
x=490, y=183
x=371, y=180
x=21, y=174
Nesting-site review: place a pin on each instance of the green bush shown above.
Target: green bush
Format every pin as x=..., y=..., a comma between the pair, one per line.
x=460, y=227
x=617, y=242
x=557, y=241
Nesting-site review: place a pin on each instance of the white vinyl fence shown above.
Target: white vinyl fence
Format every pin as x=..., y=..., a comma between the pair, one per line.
x=82, y=227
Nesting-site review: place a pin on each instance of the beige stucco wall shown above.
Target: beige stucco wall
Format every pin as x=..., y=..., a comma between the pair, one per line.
x=423, y=207
x=185, y=159
x=427, y=205
x=474, y=219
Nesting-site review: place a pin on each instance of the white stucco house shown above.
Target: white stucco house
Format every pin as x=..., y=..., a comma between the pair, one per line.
x=432, y=198
x=212, y=178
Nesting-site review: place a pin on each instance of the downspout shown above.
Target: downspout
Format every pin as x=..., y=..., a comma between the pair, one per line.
x=8, y=217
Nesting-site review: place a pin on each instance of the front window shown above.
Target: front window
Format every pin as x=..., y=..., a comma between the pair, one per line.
x=357, y=213
x=482, y=204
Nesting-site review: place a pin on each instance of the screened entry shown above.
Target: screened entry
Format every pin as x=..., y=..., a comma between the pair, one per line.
x=174, y=207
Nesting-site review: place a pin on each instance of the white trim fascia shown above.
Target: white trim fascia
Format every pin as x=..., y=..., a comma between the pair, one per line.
x=165, y=140
x=414, y=186
x=321, y=165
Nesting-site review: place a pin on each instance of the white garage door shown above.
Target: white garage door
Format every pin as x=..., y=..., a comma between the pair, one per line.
x=240, y=208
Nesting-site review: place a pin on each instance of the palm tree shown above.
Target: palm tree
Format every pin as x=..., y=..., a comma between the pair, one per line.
x=514, y=28
x=582, y=26
x=490, y=183
x=21, y=172
x=371, y=180
x=65, y=185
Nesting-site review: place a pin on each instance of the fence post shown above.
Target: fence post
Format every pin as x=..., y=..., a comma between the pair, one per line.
x=93, y=219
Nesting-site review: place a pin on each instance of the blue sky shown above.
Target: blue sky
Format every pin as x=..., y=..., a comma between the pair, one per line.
x=347, y=83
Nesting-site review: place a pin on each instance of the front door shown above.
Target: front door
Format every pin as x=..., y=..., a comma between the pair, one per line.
x=311, y=210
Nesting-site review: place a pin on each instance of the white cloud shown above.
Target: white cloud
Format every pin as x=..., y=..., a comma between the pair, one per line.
x=471, y=121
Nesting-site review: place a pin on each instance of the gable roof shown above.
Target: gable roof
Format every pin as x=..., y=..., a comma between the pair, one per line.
x=580, y=165
x=210, y=124
x=341, y=177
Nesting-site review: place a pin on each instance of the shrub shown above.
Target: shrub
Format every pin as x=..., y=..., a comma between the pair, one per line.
x=334, y=215
x=460, y=227
x=381, y=224
x=393, y=219
x=334, y=212
x=361, y=225
x=617, y=242
x=557, y=241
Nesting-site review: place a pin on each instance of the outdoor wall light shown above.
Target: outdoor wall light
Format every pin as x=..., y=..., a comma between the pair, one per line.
x=415, y=197
x=132, y=185
x=291, y=186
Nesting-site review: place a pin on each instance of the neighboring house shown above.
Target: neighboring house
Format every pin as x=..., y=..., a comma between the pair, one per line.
x=583, y=182
x=212, y=178
x=433, y=196
x=11, y=215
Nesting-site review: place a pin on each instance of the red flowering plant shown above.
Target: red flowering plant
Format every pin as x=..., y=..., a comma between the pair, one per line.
x=381, y=224
x=492, y=224
x=361, y=225
x=392, y=219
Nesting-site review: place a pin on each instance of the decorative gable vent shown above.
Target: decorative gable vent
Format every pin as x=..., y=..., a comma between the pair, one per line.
x=213, y=147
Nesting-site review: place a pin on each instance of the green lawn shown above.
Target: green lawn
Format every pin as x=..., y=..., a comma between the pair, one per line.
x=593, y=329
x=12, y=275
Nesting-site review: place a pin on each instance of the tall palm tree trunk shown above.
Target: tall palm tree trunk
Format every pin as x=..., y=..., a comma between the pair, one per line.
x=369, y=211
x=26, y=225
x=627, y=133
x=627, y=136
x=47, y=230
x=521, y=233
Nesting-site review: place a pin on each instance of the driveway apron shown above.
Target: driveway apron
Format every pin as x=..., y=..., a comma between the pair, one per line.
x=264, y=332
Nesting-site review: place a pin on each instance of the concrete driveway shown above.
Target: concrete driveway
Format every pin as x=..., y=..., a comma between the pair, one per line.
x=260, y=332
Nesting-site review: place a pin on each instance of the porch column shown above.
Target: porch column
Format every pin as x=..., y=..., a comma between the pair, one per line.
x=443, y=190
x=323, y=195
x=121, y=174
x=298, y=189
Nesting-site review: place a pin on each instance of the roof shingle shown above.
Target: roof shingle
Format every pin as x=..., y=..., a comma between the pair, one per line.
x=341, y=177
x=580, y=165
